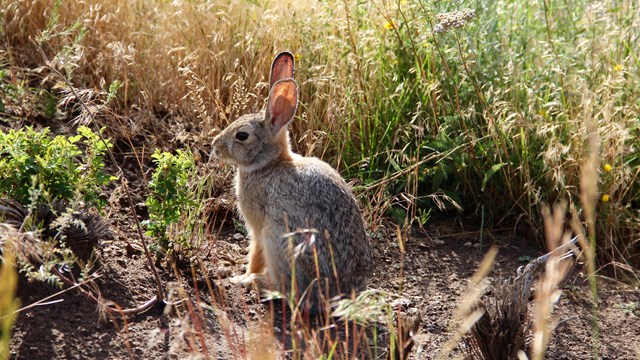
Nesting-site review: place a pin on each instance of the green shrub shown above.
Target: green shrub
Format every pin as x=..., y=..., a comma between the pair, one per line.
x=170, y=197
x=35, y=166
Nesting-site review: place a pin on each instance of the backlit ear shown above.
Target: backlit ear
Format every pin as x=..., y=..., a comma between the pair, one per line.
x=282, y=104
x=281, y=68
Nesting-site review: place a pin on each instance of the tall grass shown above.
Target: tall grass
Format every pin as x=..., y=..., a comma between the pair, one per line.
x=486, y=116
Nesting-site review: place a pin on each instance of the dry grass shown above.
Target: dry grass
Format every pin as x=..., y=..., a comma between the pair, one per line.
x=547, y=293
x=355, y=329
x=205, y=61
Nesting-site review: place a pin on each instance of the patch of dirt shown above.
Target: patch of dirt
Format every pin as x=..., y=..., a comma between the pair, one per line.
x=437, y=276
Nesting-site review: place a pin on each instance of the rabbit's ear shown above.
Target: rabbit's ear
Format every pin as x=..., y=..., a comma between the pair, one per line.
x=282, y=104
x=282, y=68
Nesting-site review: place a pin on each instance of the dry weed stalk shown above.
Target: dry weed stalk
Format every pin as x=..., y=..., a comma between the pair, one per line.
x=589, y=179
x=467, y=312
x=501, y=333
x=547, y=294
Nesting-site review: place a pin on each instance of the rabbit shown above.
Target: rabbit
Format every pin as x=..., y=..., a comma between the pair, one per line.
x=295, y=208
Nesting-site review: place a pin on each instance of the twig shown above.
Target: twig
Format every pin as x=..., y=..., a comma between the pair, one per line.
x=45, y=301
x=534, y=265
x=95, y=297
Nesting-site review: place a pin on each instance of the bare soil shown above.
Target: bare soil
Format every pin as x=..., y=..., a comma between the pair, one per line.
x=435, y=272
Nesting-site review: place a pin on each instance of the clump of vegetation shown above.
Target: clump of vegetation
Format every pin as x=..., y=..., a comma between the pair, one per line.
x=37, y=167
x=46, y=185
x=170, y=199
x=20, y=99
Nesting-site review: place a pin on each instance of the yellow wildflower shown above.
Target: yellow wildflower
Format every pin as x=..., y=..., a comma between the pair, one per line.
x=607, y=168
x=618, y=67
x=297, y=56
x=388, y=25
x=605, y=198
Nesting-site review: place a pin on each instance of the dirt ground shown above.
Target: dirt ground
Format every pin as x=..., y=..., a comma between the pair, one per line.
x=436, y=272
x=435, y=276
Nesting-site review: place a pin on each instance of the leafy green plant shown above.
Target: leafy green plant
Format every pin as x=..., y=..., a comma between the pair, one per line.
x=51, y=178
x=170, y=196
x=57, y=167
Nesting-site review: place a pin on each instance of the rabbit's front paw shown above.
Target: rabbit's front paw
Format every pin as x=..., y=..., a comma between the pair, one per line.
x=246, y=280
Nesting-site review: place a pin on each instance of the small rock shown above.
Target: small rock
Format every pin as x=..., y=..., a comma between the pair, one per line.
x=413, y=311
x=468, y=244
x=237, y=248
x=238, y=236
x=438, y=242
x=401, y=302
x=433, y=329
x=132, y=250
x=477, y=245
x=223, y=272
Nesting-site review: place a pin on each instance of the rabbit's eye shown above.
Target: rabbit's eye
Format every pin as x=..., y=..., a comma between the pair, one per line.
x=242, y=136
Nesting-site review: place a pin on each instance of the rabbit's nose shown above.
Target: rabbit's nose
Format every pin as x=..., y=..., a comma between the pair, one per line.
x=219, y=149
x=214, y=154
x=215, y=151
